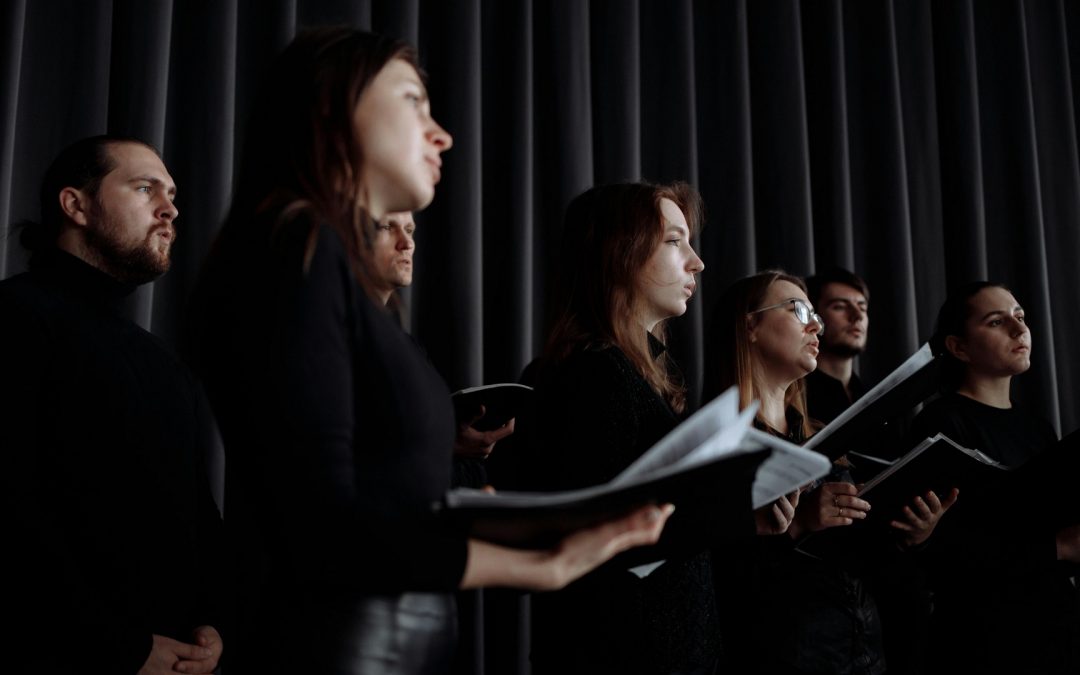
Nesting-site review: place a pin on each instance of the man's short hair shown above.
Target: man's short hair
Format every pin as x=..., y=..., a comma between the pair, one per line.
x=81, y=165
x=834, y=275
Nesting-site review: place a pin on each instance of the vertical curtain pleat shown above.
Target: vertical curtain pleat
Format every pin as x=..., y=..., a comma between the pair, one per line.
x=827, y=120
x=616, y=59
x=449, y=319
x=879, y=184
x=918, y=101
x=784, y=228
x=511, y=328
x=12, y=24
x=62, y=95
x=724, y=131
x=137, y=95
x=1059, y=186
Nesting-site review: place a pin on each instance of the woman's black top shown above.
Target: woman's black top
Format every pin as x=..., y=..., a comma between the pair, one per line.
x=595, y=414
x=785, y=612
x=337, y=434
x=1002, y=601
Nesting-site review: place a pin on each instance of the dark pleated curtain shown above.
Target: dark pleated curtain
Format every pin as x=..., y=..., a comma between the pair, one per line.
x=921, y=144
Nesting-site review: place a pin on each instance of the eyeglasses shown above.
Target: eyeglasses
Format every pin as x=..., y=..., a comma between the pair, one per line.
x=803, y=313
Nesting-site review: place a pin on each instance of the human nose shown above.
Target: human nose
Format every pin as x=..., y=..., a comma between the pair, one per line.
x=695, y=264
x=440, y=137
x=1018, y=327
x=406, y=243
x=816, y=325
x=167, y=210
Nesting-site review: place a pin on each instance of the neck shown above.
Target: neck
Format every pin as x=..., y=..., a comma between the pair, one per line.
x=991, y=391
x=384, y=295
x=836, y=366
x=773, y=405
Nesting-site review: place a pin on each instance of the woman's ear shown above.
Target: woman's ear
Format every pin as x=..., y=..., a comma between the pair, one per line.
x=956, y=347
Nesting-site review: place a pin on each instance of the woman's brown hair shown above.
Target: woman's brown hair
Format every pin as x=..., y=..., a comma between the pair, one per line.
x=301, y=157
x=609, y=234
x=728, y=358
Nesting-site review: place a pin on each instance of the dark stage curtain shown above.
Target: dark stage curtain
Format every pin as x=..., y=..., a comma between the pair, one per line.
x=919, y=143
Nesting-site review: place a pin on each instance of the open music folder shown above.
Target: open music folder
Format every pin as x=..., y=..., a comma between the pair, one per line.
x=713, y=458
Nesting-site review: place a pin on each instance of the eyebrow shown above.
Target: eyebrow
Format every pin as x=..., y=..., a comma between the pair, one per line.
x=986, y=316
x=840, y=298
x=153, y=181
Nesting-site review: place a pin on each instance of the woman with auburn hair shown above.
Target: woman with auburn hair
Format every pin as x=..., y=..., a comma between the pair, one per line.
x=337, y=430
x=606, y=390
x=783, y=611
x=1000, y=566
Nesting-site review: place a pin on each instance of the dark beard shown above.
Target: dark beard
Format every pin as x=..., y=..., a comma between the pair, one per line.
x=137, y=264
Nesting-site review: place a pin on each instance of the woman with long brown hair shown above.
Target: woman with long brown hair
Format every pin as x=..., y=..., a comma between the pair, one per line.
x=337, y=430
x=606, y=390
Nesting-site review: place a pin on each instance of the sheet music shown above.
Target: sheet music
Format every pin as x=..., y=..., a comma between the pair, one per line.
x=914, y=364
x=709, y=433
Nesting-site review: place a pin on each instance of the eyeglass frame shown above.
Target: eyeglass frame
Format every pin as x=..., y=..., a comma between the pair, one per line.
x=810, y=314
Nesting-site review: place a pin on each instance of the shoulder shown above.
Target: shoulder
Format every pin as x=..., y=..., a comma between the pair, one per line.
x=597, y=366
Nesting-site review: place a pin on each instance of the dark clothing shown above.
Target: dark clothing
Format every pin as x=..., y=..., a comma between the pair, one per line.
x=1002, y=602
x=786, y=612
x=338, y=436
x=111, y=533
x=826, y=397
x=595, y=414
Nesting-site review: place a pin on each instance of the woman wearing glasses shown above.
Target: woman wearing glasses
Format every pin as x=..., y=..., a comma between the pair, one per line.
x=783, y=611
x=1000, y=566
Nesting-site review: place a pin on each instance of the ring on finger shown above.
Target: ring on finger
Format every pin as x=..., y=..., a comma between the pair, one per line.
x=840, y=512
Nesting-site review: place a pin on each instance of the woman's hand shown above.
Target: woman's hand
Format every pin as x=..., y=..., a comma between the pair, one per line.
x=776, y=517
x=475, y=444
x=831, y=505
x=576, y=555
x=918, y=523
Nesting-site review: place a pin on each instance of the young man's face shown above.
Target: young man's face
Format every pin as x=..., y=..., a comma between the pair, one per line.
x=392, y=251
x=847, y=319
x=130, y=223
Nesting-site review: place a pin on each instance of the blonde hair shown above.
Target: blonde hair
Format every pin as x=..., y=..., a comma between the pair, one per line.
x=729, y=360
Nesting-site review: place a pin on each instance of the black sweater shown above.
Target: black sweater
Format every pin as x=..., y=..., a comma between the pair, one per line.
x=114, y=533
x=1002, y=602
x=337, y=433
x=595, y=414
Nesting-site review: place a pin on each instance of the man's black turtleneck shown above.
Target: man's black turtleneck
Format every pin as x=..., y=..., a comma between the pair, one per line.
x=113, y=529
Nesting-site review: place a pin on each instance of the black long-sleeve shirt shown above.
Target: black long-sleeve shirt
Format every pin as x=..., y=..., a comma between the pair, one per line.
x=111, y=528
x=338, y=435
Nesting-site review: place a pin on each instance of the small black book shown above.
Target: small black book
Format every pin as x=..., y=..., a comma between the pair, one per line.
x=501, y=403
x=938, y=464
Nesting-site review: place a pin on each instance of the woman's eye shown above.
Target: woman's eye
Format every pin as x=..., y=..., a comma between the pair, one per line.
x=143, y=188
x=1020, y=318
x=995, y=323
x=674, y=242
